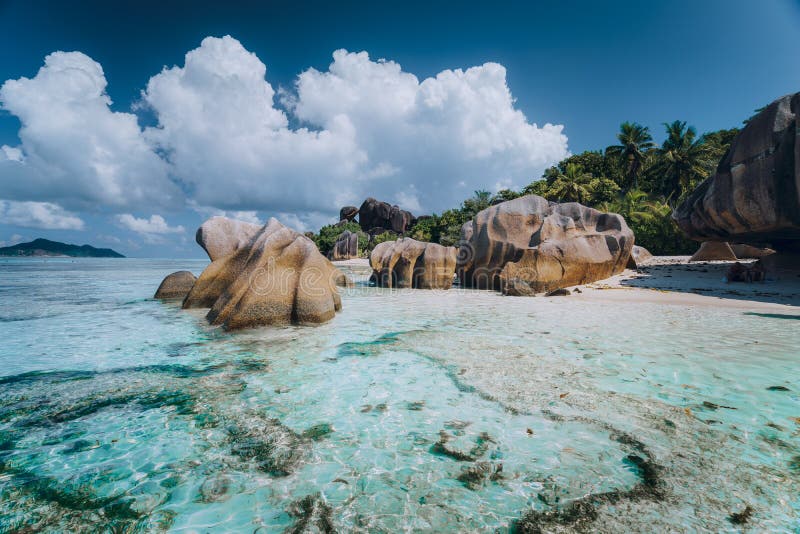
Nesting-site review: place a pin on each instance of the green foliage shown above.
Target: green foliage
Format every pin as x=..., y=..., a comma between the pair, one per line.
x=381, y=238
x=539, y=187
x=326, y=238
x=651, y=222
x=446, y=228
x=635, y=178
x=635, y=140
x=504, y=195
x=681, y=163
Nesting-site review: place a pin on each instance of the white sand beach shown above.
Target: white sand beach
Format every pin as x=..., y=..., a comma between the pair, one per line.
x=673, y=280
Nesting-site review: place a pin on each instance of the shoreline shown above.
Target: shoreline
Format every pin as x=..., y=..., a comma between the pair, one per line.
x=672, y=280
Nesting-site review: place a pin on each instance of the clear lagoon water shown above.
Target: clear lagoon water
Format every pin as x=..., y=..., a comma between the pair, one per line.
x=411, y=411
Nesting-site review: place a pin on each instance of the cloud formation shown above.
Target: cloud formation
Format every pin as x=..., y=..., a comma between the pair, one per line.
x=43, y=215
x=224, y=140
x=371, y=130
x=74, y=150
x=154, y=225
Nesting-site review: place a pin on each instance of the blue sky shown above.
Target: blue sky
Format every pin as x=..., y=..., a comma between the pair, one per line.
x=353, y=128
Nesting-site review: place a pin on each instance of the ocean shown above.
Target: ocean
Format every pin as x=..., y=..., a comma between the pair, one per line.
x=413, y=410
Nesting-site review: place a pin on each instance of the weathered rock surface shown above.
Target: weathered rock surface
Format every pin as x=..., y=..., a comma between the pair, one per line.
x=744, y=252
x=279, y=277
x=376, y=214
x=714, y=251
x=348, y=213
x=176, y=285
x=754, y=196
x=410, y=263
x=639, y=256
x=529, y=245
x=346, y=246
x=220, y=236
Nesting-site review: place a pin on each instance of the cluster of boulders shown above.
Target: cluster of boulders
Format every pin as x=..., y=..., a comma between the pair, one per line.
x=375, y=216
x=754, y=195
x=529, y=245
x=520, y=247
x=410, y=263
x=345, y=247
x=259, y=275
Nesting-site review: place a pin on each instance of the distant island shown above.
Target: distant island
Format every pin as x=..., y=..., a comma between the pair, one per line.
x=45, y=247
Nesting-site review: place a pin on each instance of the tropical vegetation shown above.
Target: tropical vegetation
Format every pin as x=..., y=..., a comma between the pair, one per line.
x=636, y=178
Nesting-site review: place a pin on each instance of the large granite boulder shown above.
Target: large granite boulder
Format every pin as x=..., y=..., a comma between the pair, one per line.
x=529, y=245
x=754, y=195
x=348, y=213
x=278, y=277
x=714, y=251
x=345, y=247
x=220, y=236
x=410, y=263
x=744, y=251
x=176, y=285
x=639, y=256
x=376, y=214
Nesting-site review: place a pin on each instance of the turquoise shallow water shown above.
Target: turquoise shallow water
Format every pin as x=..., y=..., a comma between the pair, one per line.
x=411, y=411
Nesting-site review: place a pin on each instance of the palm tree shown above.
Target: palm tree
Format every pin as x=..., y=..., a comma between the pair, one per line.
x=572, y=185
x=635, y=140
x=635, y=206
x=683, y=160
x=479, y=201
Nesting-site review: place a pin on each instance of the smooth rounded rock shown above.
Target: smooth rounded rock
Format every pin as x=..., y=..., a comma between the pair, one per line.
x=348, y=213
x=279, y=277
x=754, y=195
x=408, y=263
x=176, y=285
x=376, y=214
x=714, y=251
x=529, y=245
x=220, y=236
x=345, y=247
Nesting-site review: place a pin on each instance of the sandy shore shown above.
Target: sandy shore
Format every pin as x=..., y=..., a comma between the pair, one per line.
x=673, y=280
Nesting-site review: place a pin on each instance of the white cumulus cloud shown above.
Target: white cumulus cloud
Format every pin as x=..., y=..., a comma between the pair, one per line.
x=74, y=150
x=44, y=215
x=361, y=128
x=227, y=141
x=372, y=130
x=154, y=225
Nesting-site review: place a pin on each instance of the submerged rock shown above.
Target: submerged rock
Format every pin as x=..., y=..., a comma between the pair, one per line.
x=529, y=245
x=410, y=263
x=743, y=517
x=313, y=515
x=274, y=448
x=477, y=475
x=215, y=488
x=714, y=251
x=278, y=277
x=754, y=195
x=176, y=285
